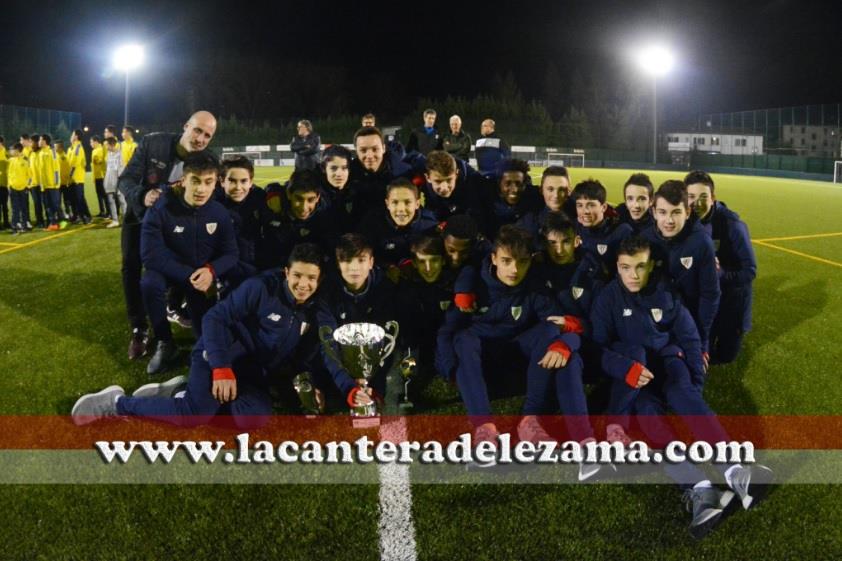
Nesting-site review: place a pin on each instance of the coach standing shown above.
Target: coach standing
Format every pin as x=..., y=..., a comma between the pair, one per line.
x=157, y=163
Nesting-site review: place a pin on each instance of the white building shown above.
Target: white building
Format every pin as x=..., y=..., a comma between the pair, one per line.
x=732, y=144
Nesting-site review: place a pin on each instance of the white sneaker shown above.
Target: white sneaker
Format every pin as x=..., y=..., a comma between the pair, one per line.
x=113, y=224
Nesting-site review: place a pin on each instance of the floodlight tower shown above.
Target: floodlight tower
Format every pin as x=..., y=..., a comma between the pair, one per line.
x=656, y=61
x=126, y=59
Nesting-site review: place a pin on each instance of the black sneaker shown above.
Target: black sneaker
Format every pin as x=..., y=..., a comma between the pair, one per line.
x=707, y=505
x=165, y=353
x=138, y=345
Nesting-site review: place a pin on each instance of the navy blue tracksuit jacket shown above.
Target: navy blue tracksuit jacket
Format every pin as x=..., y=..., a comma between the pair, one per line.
x=603, y=240
x=637, y=225
x=688, y=259
x=392, y=243
x=176, y=239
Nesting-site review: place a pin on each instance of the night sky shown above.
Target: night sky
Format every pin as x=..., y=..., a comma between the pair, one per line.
x=360, y=56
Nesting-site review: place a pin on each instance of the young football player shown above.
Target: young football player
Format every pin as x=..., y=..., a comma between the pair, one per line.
x=513, y=198
x=735, y=263
x=19, y=175
x=685, y=251
x=555, y=189
x=78, y=162
x=187, y=240
x=452, y=186
x=637, y=202
x=49, y=181
x=264, y=323
x=600, y=233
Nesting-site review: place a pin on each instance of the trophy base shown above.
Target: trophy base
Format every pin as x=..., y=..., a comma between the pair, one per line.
x=365, y=422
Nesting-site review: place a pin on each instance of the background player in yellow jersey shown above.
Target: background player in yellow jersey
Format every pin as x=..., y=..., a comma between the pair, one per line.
x=35, y=184
x=18, y=179
x=4, y=189
x=98, y=171
x=66, y=207
x=78, y=162
x=128, y=146
x=48, y=168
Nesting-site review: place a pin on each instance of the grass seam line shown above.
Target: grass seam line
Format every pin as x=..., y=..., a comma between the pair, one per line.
x=800, y=254
x=792, y=238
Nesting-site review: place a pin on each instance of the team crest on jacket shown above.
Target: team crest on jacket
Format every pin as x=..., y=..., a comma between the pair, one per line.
x=304, y=327
x=349, y=206
x=516, y=312
x=444, y=304
x=577, y=292
x=657, y=314
x=274, y=317
x=716, y=244
x=626, y=312
x=687, y=262
x=390, y=245
x=601, y=248
x=211, y=227
x=178, y=229
x=304, y=232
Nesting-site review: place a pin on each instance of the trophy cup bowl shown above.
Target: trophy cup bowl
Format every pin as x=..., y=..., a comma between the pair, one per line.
x=363, y=347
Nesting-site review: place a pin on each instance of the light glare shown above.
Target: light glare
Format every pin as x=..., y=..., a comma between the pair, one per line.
x=655, y=60
x=128, y=57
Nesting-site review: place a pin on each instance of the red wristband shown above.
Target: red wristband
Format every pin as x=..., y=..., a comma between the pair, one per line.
x=223, y=374
x=561, y=347
x=633, y=375
x=209, y=266
x=572, y=324
x=464, y=300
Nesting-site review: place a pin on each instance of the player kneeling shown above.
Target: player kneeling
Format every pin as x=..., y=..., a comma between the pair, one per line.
x=260, y=326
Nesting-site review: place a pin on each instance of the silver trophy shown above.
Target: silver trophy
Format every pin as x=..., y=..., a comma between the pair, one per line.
x=362, y=348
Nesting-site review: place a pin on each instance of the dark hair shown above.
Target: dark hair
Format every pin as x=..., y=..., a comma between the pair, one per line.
x=47, y=138
x=441, y=162
x=515, y=239
x=352, y=245
x=17, y=146
x=556, y=222
x=239, y=162
x=402, y=183
x=35, y=137
x=369, y=116
x=335, y=151
x=698, y=176
x=461, y=227
x=429, y=245
x=128, y=128
x=303, y=181
x=306, y=124
x=641, y=180
x=590, y=189
x=633, y=245
x=58, y=142
x=514, y=164
x=96, y=138
x=111, y=128
x=306, y=253
x=673, y=191
x=554, y=171
x=77, y=133
x=2, y=140
x=368, y=131
x=25, y=136
x=111, y=141
x=200, y=163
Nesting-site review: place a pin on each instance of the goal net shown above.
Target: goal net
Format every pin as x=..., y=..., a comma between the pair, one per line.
x=837, y=171
x=566, y=160
x=250, y=155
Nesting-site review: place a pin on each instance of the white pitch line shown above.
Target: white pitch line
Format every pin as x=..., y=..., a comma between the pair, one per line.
x=397, y=530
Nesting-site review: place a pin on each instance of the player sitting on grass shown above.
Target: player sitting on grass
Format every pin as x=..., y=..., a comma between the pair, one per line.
x=637, y=202
x=393, y=229
x=652, y=352
x=735, y=262
x=600, y=233
x=504, y=311
x=258, y=328
x=187, y=241
x=682, y=248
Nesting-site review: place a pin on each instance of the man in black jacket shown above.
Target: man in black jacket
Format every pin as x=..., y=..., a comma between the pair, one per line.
x=305, y=145
x=427, y=138
x=157, y=162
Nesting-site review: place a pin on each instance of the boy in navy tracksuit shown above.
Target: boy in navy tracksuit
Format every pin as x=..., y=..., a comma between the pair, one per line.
x=265, y=323
x=504, y=307
x=393, y=229
x=652, y=352
x=187, y=241
x=555, y=189
x=452, y=186
x=463, y=243
x=335, y=172
x=360, y=293
x=246, y=204
x=372, y=170
x=637, y=202
x=736, y=266
x=304, y=217
x=685, y=252
x=512, y=198
x=600, y=233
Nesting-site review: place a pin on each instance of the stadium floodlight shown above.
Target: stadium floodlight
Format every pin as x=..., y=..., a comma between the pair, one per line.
x=656, y=61
x=127, y=59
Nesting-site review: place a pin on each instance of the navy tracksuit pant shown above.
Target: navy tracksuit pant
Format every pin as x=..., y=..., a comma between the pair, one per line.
x=38, y=203
x=729, y=326
x=78, y=193
x=153, y=287
x=251, y=409
x=532, y=343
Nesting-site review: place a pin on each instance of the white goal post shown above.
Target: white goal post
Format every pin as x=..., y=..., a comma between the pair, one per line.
x=837, y=171
x=567, y=160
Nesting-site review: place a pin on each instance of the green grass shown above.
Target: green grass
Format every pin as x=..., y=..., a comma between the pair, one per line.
x=63, y=333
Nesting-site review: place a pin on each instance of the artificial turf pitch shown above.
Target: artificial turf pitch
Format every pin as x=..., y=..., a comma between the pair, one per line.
x=63, y=333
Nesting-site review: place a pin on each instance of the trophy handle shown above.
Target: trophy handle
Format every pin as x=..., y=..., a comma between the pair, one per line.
x=391, y=338
x=326, y=337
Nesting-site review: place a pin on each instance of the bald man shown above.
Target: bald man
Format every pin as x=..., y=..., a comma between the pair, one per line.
x=157, y=163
